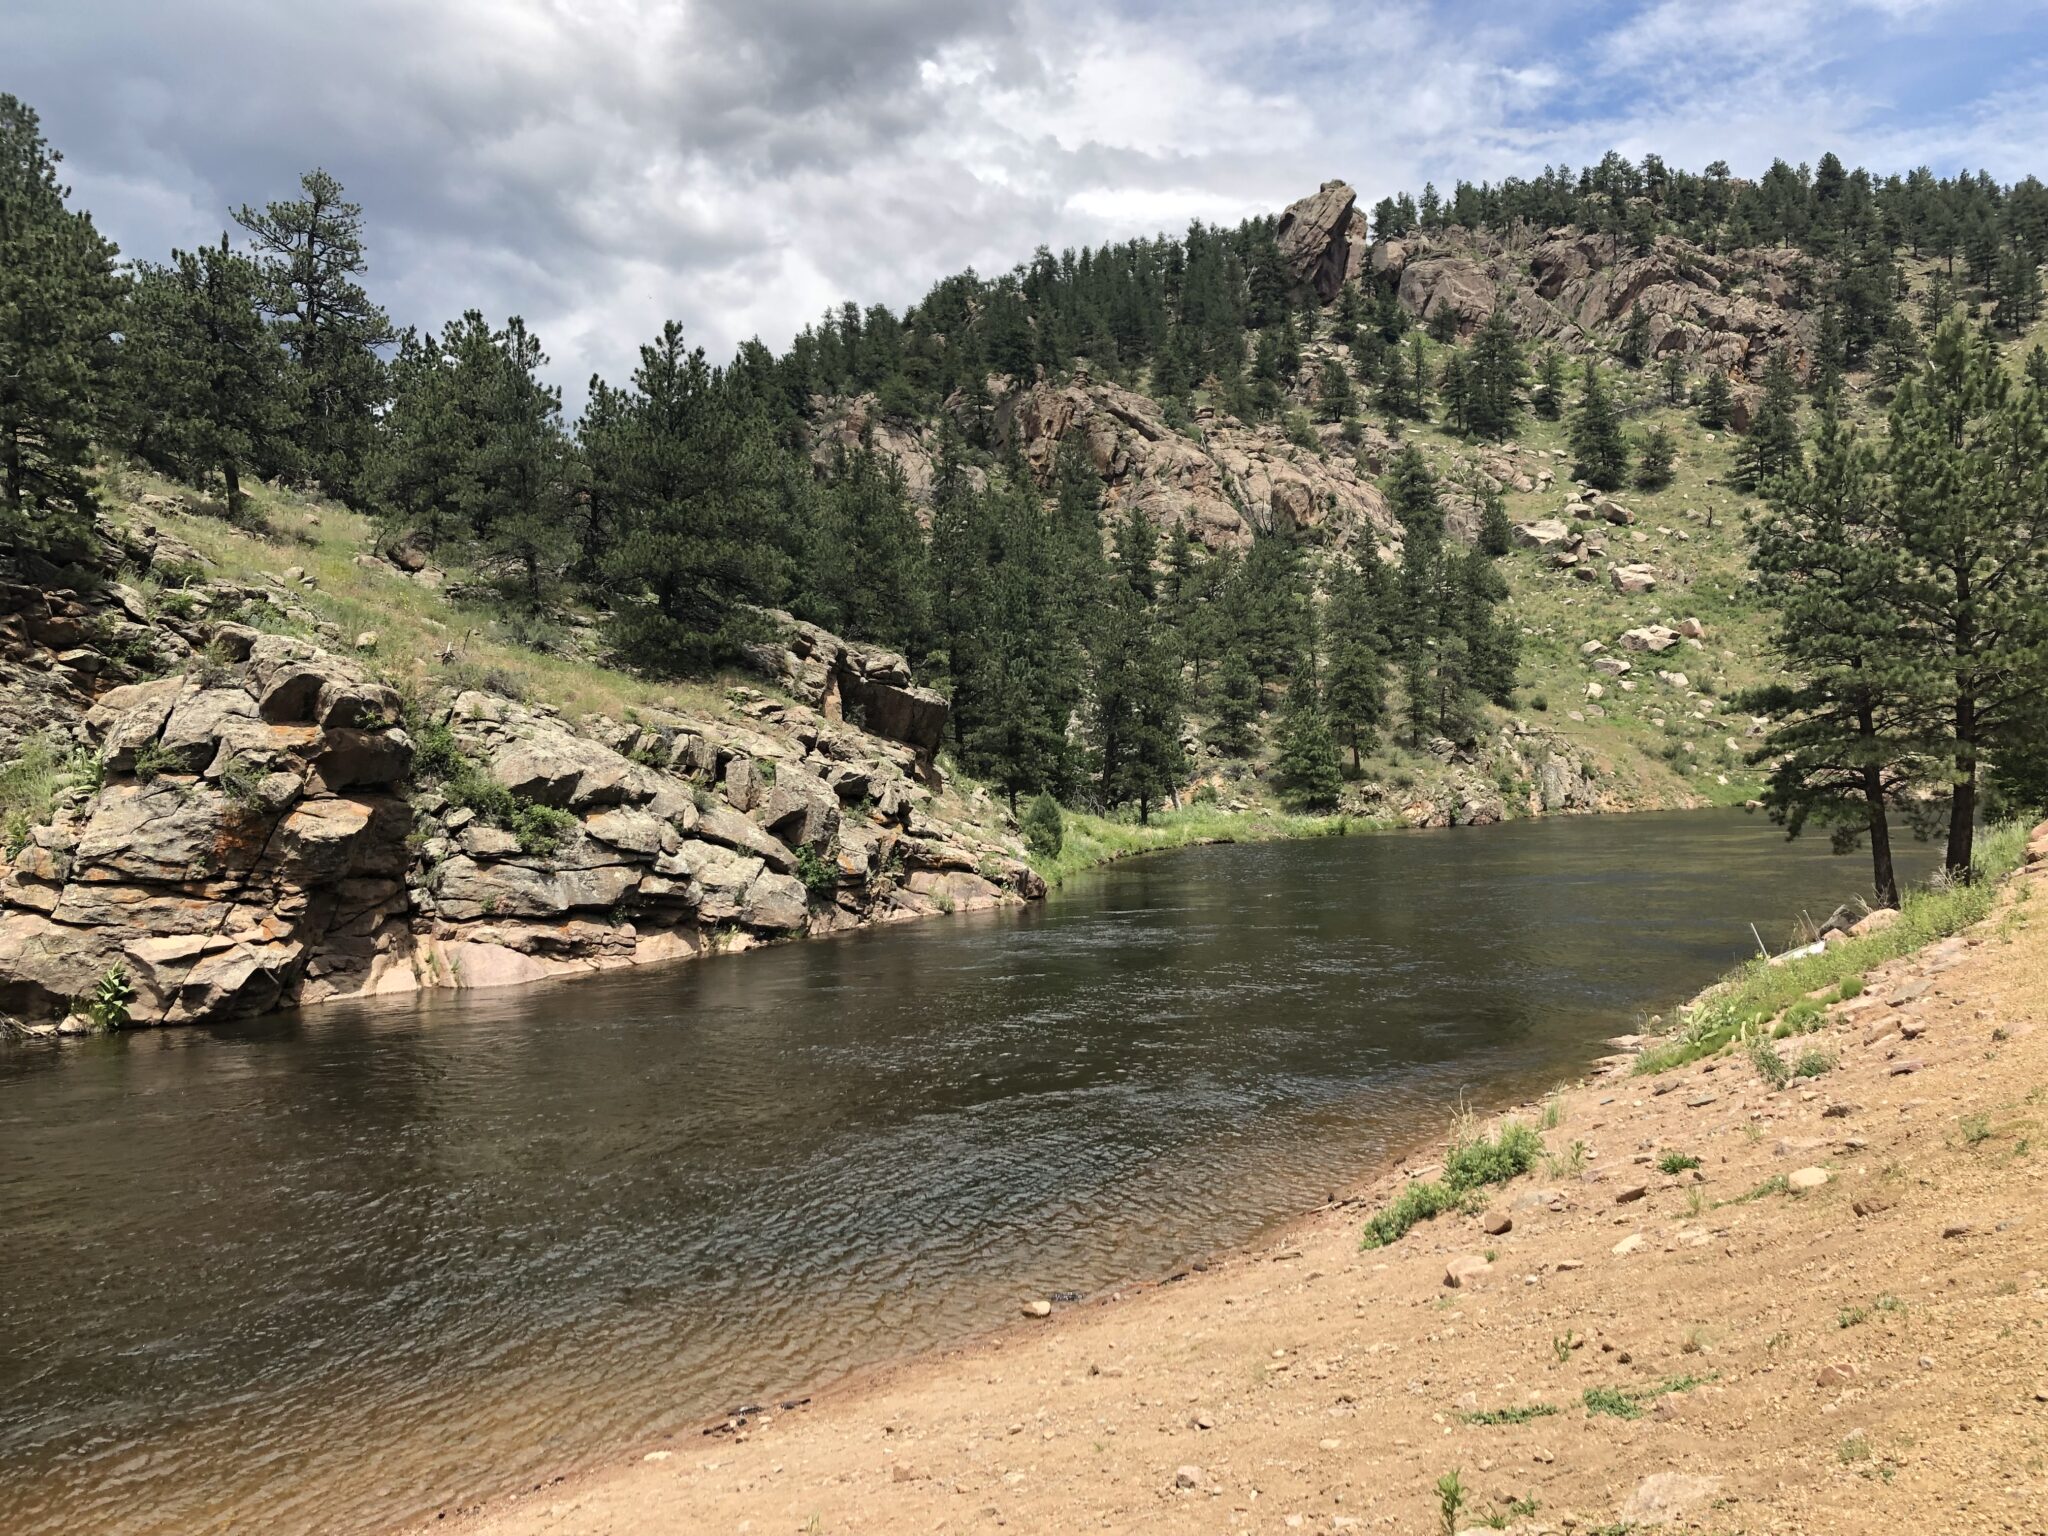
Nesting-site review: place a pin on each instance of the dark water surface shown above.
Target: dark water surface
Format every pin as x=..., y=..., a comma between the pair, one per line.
x=329, y=1271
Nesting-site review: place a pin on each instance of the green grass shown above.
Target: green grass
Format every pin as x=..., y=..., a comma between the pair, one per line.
x=30, y=782
x=1616, y=1402
x=1677, y=1162
x=1759, y=992
x=1520, y=1415
x=1089, y=840
x=1473, y=1162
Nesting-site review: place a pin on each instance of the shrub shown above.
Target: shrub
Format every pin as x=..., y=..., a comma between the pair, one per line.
x=1473, y=1162
x=818, y=872
x=1677, y=1162
x=539, y=828
x=153, y=759
x=107, y=1005
x=1045, y=828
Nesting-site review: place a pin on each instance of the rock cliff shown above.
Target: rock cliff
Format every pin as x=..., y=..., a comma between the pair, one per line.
x=276, y=826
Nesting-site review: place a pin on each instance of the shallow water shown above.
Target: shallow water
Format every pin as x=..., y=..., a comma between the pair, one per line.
x=330, y=1271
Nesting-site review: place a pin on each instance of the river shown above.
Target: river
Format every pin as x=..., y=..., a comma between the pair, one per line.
x=330, y=1271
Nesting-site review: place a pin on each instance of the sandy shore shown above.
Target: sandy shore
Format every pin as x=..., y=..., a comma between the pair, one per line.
x=1837, y=1323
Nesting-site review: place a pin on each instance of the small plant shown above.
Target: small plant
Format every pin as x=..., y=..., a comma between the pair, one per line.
x=1561, y=1347
x=1473, y=1163
x=540, y=828
x=106, y=1006
x=1695, y=1201
x=1813, y=1063
x=1611, y=1401
x=1852, y=987
x=819, y=874
x=1677, y=1162
x=153, y=759
x=1976, y=1129
x=1567, y=1165
x=242, y=782
x=1450, y=1499
x=1521, y=1415
x=1553, y=1112
x=1850, y=1317
x=1044, y=827
x=1770, y=1066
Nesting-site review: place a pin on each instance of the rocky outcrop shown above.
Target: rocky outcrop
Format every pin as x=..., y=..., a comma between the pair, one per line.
x=1323, y=238
x=1729, y=311
x=262, y=839
x=1223, y=483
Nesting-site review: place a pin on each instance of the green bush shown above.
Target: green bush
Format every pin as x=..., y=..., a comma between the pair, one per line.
x=819, y=872
x=1045, y=828
x=539, y=828
x=1473, y=1163
x=107, y=1005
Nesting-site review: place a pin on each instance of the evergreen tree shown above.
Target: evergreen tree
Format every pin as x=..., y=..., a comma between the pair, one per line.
x=1635, y=338
x=1968, y=464
x=1454, y=388
x=1334, y=399
x=1842, y=747
x=1598, y=448
x=1307, y=765
x=202, y=377
x=1716, y=400
x=1771, y=446
x=312, y=255
x=1548, y=397
x=1355, y=689
x=1237, y=706
x=1672, y=371
x=1654, y=457
x=58, y=313
x=1496, y=377
x=701, y=537
x=1496, y=533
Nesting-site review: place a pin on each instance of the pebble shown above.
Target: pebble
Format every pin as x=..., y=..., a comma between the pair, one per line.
x=1633, y=1193
x=1808, y=1178
x=1629, y=1244
x=1835, y=1375
x=1497, y=1224
x=1037, y=1309
x=1189, y=1476
x=1956, y=1229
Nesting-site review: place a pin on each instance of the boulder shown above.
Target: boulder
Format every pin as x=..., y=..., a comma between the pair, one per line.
x=778, y=903
x=1317, y=238
x=1546, y=533
x=1632, y=580
x=802, y=809
x=1654, y=638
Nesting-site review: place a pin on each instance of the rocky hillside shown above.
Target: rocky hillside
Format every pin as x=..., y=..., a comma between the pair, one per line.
x=263, y=819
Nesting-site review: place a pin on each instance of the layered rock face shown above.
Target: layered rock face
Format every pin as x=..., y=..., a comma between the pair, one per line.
x=262, y=839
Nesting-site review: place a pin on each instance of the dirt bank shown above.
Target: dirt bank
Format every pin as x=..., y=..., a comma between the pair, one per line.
x=1836, y=1323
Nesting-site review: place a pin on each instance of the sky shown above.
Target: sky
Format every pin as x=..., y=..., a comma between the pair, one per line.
x=599, y=166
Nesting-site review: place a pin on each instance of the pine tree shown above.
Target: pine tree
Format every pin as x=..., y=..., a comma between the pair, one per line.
x=202, y=377
x=1454, y=388
x=312, y=255
x=1355, y=689
x=1497, y=375
x=1842, y=747
x=1237, y=706
x=1600, y=451
x=1968, y=464
x=1635, y=338
x=1716, y=400
x=1771, y=446
x=1334, y=399
x=1654, y=457
x=1548, y=397
x=1496, y=533
x=700, y=532
x=59, y=311
x=1673, y=374
x=1307, y=765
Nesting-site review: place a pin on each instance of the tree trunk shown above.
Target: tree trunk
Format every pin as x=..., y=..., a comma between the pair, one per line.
x=1962, y=807
x=233, y=477
x=1883, y=876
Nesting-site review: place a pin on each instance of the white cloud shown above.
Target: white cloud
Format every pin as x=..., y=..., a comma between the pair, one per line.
x=739, y=164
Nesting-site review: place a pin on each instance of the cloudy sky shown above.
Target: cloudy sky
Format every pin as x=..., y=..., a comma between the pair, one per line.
x=600, y=165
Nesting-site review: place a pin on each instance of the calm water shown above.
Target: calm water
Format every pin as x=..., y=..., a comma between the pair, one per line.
x=330, y=1271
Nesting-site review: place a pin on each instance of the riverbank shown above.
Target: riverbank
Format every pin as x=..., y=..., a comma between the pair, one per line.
x=1830, y=1322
